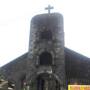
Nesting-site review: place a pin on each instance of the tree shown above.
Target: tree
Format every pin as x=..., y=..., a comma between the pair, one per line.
x=1, y=78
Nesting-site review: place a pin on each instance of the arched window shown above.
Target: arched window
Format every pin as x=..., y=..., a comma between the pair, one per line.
x=47, y=35
x=45, y=58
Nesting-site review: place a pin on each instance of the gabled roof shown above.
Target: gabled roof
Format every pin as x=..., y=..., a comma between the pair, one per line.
x=15, y=66
x=76, y=65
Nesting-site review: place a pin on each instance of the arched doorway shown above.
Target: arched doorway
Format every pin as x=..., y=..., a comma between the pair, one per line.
x=45, y=82
x=45, y=58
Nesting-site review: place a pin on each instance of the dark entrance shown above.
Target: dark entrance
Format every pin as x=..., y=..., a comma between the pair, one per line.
x=45, y=58
x=47, y=35
x=47, y=82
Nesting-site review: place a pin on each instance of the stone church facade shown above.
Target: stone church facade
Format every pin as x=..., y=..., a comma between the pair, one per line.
x=46, y=51
x=47, y=65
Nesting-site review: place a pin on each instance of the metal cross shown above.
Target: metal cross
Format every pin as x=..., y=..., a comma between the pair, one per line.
x=48, y=8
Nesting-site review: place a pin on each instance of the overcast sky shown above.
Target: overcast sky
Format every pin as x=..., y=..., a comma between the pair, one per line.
x=15, y=16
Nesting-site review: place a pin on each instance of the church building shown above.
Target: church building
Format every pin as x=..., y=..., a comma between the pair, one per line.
x=47, y=65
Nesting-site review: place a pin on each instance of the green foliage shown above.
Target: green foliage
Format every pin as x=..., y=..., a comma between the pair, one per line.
x=33, y=85
x=1, y=76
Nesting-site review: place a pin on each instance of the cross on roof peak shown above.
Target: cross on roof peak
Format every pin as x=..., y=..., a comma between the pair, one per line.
x=49, y=8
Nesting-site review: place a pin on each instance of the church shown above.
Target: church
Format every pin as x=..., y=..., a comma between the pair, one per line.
x=48, y=64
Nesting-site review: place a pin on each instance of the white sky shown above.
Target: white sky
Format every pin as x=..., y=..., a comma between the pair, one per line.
x=15, y=16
